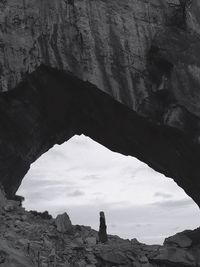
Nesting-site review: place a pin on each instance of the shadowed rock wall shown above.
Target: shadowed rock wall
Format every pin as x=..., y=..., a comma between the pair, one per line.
x=51, y=106
x=145, y=54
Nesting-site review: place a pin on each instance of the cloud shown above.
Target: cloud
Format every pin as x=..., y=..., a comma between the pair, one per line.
x=43, y=183
x=97, y=193
x=175, y=203
x=112, y=225
x=56, y=153
x=91, y=177
x=82, y=167
x=138, y=225
x=76, y=193
x=163, y=195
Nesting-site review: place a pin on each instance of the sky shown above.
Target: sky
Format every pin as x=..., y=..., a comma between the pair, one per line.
x=82, y=178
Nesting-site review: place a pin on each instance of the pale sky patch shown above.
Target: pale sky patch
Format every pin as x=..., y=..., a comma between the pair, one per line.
x=82, y=177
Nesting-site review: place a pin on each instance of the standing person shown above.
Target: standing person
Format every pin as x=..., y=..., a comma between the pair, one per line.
x=102, y=228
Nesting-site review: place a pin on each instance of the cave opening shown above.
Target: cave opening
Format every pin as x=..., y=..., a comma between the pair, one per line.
x=51, y=106
x=82, y=175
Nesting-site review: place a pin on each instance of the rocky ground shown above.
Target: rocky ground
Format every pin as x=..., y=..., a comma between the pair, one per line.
x=36, y=239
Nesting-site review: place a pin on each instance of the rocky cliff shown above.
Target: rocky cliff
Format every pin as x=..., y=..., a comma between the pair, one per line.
x=50, y=106
x=105, y=42
x=143, y=53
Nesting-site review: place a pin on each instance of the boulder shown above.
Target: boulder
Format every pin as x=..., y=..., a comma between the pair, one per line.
x=91, y=241
x=175, y=257
x=179, y=240
x=10, y=206
x=78, y=240
x=80, y=263
x=143, y=260
x=91, y=258
x=113, y=257
x=63, y=223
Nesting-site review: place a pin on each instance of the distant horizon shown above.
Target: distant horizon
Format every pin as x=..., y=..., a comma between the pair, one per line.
x=82, y=177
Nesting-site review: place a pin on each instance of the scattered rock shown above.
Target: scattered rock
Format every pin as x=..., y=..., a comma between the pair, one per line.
x=3, y=256
x=24, y=217
x=143, y=260
x=135, y=241
x=78, y=240
x=43, y=215
x=55, y=242
x=91, y=258
x=130, y=256
x=91, y=241
x=113, y=257
x=52, y=256
x=10, y=206
x=80, y=263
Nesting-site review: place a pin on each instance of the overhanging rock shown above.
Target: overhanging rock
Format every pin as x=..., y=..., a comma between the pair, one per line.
x=50, y=106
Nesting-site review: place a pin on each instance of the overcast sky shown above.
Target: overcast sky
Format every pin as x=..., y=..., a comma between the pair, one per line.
x=82, y=178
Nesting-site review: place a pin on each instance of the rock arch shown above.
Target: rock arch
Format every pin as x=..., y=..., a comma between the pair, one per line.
x=50, y=106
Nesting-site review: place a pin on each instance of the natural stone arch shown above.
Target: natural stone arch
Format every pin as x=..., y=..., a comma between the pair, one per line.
x=51, y=106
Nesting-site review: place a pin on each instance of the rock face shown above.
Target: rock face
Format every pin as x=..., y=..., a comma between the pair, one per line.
x=180, y=240
x=144, y=54
x=104, y=42
x=51, y=106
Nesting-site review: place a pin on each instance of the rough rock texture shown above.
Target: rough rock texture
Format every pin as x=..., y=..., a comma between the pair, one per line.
x=145, y=55
x=142, y=53
x=181, y=240
x=31, y=239
x=51, y=106
x=63, y=223
x=100, y=41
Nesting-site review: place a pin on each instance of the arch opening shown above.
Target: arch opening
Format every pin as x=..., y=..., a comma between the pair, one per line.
x=51, y=106
x=82, y=175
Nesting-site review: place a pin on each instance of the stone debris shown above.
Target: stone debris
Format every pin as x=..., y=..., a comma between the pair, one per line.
x=31, y=240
